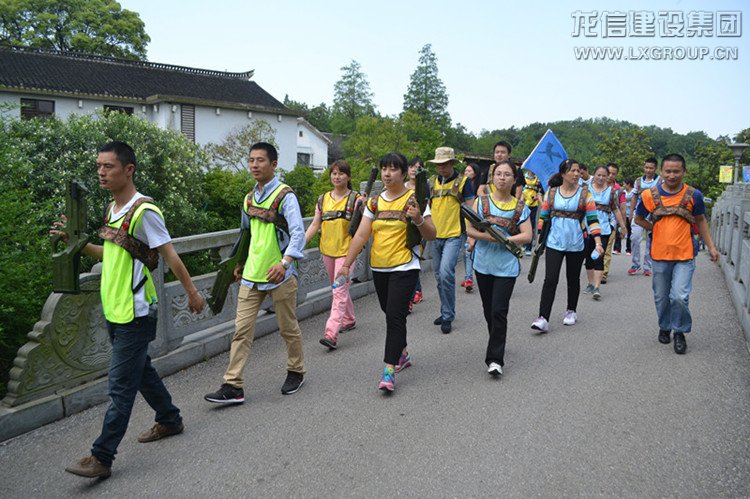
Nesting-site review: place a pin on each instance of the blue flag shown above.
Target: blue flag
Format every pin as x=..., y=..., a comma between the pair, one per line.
x=546, y=157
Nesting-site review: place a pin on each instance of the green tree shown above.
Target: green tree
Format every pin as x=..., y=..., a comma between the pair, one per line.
x=233, y=152
x=319, y=116
x=352, y=99
x=426, y=94
x=627, y=147
x=704, y=174
x=301, y=178
x=460, y=139
x=225, y=191
x=93, y=26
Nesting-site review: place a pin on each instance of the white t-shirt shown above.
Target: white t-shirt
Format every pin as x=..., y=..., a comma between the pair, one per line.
x=414, y=263
x=151, y=231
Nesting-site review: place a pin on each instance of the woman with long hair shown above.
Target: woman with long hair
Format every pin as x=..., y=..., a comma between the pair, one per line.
x=567, y=205
x=607, y=210
x=394, y=265
x=333, y=212
x=495, y=266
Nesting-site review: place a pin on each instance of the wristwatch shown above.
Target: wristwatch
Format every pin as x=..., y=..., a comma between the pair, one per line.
x=285, y=264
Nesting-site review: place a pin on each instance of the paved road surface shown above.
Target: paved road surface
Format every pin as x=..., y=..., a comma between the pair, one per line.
x=600, y=408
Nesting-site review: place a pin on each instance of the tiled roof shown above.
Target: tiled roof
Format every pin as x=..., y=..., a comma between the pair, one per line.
x=44, y=70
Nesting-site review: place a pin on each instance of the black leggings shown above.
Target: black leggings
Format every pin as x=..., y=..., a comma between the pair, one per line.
x=553, y=264
x=495, y=293
x=597, y=264
x=395, y=291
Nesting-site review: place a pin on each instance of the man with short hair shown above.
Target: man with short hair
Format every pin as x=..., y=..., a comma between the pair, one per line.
x=134, y=236
x=674, y=208
x=644, y=183
x=272, y=213
x=449, y=190
x=500, y=152
x=613, y=170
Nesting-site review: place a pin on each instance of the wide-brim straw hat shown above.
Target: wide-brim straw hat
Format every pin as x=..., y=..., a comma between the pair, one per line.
x=443, y=155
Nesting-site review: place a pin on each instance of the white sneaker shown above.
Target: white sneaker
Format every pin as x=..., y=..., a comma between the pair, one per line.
x=570, y=318
x=540, y=324
x=495, y=369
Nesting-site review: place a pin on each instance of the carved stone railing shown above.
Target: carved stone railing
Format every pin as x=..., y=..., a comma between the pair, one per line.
x=730, y=230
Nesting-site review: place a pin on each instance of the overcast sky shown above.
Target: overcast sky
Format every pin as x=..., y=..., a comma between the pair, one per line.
x=504, y=63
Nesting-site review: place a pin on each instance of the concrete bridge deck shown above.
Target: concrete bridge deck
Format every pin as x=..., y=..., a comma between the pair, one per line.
x=600, y=408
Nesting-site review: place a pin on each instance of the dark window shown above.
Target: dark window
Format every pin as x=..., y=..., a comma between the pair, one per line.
x=300, y=133
x=187, y=121
x=36, y=108
x=119, y=109
x=303, y=159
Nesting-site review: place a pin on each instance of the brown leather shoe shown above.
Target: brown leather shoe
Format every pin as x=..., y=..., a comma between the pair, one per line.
x=90, y=467
x=159, y=431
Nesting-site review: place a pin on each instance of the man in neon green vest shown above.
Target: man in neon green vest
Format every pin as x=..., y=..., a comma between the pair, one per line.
x=271, y=211
x=129, y=304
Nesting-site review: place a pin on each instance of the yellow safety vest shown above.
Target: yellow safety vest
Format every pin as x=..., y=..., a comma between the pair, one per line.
x=118, y=297
x=389, y=232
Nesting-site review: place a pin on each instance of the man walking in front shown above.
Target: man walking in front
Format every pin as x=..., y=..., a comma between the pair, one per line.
x=674, y=208
x=272, y=213
x=644, y=183
x=134, y=236
x=449, y=190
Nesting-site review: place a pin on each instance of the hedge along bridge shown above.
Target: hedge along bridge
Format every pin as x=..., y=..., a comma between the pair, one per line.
x=62, y=369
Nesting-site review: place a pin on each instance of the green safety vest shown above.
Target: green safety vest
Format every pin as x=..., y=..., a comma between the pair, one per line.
x=117, y=289
x=264, y=249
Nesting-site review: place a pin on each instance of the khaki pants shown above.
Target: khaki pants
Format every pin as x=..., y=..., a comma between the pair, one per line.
x=248, y=303
x=608, y=253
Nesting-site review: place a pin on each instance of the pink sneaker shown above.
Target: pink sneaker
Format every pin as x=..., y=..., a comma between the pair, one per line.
x=403, y=362
x=387, y=381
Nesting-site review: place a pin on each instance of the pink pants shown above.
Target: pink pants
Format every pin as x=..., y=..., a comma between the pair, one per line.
x=342, y=308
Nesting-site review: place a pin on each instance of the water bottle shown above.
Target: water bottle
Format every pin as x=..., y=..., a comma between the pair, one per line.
x=594, y=255
x=340, y=281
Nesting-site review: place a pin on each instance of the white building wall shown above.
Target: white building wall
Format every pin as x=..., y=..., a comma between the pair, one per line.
x=310, y=143
x=209, y=127
x=67, y=106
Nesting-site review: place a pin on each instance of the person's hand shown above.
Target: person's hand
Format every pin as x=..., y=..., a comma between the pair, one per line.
x=58, y=227
x=196, y=302
x=623, y=232
x=713, y=253
x=413, y=212
x=276, y=273
x=470, y=242
x=600, y=248
x=238, y=273
x=343, y=272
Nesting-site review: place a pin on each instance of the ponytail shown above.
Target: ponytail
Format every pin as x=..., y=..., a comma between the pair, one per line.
x=555, y=180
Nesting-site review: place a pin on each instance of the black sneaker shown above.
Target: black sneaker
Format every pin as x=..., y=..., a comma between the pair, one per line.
x=446, y=327
x=680, y=345
x=293, y=383
x=227, y=394
x=438, y=321
x=664, y=336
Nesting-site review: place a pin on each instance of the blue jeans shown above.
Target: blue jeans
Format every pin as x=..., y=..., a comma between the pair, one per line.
x=672, y=282
x=444, y=258
x=130, y=372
